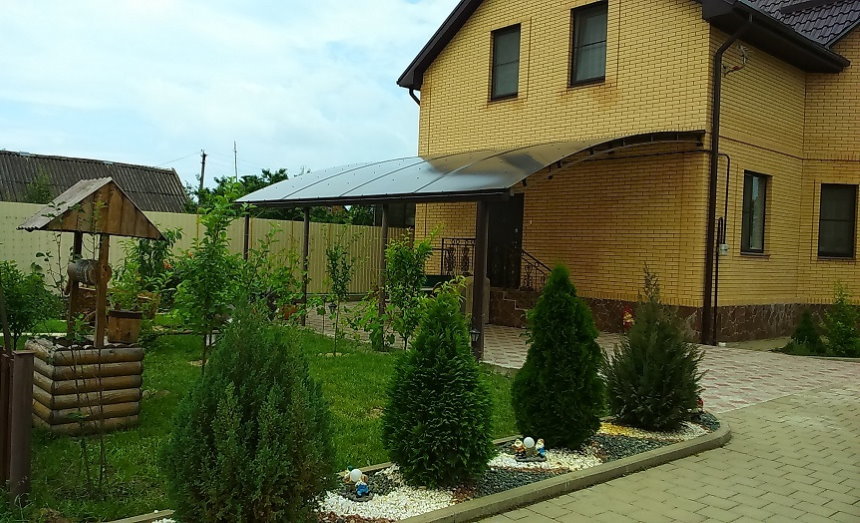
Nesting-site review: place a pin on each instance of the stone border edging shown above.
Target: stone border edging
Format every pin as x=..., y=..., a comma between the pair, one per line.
x=146, y=518
x=832, y=358
x=564, y=483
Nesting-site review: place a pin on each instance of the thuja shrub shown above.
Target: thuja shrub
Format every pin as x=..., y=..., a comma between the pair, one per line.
x=840, y=326
x=806, y=337
x=437, y=423
x=653, y=377
x=558, y=394
x=252, y=440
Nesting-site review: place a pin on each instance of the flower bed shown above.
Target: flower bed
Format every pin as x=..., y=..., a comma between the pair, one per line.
x=394, y=500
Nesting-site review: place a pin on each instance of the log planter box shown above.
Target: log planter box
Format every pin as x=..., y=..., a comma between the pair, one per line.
x=77, y=388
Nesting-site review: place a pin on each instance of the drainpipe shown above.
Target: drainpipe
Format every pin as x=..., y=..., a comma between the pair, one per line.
x=709, y=333
x=412, y=94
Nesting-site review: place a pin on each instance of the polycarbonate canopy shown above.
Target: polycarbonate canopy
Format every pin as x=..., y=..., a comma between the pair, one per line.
x=456, y=177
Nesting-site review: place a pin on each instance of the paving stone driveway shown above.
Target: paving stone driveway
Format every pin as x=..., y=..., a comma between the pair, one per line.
x=795, y=458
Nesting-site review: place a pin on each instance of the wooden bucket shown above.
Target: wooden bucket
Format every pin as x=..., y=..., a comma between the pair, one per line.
x=123, y=326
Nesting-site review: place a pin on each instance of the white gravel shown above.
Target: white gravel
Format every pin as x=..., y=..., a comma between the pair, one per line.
x=555, y=459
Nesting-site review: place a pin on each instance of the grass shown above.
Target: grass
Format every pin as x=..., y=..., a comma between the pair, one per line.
x=354, y=383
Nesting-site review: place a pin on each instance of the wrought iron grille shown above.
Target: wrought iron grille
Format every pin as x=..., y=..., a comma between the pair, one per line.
x=457, y=256
x=533, y=272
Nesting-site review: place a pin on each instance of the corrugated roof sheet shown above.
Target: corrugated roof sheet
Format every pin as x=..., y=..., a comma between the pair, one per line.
x=151, y=188
x=823, y=21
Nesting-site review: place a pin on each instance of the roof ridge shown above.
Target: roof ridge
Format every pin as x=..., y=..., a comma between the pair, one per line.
x=23, y=154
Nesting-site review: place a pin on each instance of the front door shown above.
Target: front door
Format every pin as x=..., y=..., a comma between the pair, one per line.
x=505, y=242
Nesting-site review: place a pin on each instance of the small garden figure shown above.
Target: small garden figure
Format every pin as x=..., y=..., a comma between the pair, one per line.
x=527, y=450
x=359, y=479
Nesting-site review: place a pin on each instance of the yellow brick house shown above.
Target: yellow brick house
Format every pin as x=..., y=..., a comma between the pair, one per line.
x=747, y=225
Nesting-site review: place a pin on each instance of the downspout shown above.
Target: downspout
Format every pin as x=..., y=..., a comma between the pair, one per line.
x=722, y=227
x=709, y=333
x=412, y=94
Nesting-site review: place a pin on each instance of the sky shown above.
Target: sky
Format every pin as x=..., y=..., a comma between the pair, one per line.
x=295, y=83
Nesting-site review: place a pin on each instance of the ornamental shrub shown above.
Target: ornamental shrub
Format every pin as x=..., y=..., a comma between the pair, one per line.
x=806, y=338
x=840, y=326
x=28, y=300
x=558, y=394
x=653, y=377
x=437, y=423
x=252, y=440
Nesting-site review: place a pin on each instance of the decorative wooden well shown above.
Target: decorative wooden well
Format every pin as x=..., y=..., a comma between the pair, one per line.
x=89, y=385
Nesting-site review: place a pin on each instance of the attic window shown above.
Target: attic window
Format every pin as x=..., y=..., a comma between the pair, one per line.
x=588, y=53
x=506, y=62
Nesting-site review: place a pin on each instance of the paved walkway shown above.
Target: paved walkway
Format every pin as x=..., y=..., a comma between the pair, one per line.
x=796, y=458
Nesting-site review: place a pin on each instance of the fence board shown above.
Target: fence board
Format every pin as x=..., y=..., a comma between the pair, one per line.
x=362, y=241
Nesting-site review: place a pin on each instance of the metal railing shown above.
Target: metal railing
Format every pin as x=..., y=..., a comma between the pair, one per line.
x=533, y=272
x=457, y=256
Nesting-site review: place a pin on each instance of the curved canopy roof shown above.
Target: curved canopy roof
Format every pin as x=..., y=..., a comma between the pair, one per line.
x=455, y=177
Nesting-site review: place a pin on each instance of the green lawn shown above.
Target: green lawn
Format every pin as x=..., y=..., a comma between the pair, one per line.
x=354, y=384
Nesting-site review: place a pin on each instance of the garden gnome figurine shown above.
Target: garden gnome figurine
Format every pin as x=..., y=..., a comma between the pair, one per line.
x=361, y=488
x=519, y=448
x=540, y=449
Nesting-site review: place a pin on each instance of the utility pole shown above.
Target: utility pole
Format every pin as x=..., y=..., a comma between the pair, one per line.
x=235, y=162
x=202, y=173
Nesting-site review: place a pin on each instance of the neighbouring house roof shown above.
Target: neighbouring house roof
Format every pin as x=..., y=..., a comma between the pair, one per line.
x=466, y=176
x=150, y=188
x=811, y=26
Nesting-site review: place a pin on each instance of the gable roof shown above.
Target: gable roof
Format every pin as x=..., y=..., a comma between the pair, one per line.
x=150, y=188
x=817, y=24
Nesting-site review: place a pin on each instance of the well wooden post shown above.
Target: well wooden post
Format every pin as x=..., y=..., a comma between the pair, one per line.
x=101, y=290
x=383, y=242
x=482, y=221
x=306, y=240
x=74, y=285
x=20, y=423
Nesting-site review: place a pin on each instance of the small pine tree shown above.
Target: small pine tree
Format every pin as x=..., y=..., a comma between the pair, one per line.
x=840, y=326
x=558, y=394
x=437, y=423
x=653, y=378
x=252, y=441
x=806, y=334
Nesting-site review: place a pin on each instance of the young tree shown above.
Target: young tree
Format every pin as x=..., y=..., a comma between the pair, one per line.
x=252, y=440
x=28, y=301
x=558, y=395
x=404, y=279
x=840, y=326
x=806, y=334
x=653, y=377
x=437, y=423
x=339, y=263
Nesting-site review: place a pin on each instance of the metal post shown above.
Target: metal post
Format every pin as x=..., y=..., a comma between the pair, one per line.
x=306, y=240
x=382, y=244
x=246, y=236
x=20, y=424
x=482, y=225
x=101, y=290
x=5, y=412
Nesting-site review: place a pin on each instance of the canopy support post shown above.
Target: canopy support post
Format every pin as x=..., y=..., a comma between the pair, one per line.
x=383, y=242
x=306, y=239
x=482, y=222
x=246, y=236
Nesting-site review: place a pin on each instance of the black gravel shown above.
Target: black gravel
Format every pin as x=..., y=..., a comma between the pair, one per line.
x=708, y=421
x=612, y=447
x=499, y=480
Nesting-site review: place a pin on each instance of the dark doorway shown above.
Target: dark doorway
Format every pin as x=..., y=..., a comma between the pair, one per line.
x=505, y=242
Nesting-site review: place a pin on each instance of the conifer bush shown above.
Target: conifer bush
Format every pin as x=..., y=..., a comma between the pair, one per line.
x=653, y=377
x=436, y=426
x=806, y=338
x=840, y=326
x=251, y=441
x=558, y=394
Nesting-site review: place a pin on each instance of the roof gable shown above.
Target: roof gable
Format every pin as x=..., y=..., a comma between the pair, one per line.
x=151, y=188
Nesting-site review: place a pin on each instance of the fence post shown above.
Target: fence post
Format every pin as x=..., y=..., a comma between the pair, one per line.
x=20, y=424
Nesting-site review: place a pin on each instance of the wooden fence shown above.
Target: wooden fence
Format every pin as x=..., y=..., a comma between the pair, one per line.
x=361, y=240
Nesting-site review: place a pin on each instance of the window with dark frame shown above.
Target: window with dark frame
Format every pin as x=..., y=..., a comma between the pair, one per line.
x=588, y=50
x=755, y=205
x=837, y=220
x=506, y=62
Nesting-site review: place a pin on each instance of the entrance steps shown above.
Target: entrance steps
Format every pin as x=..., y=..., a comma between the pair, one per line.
x=509, y=306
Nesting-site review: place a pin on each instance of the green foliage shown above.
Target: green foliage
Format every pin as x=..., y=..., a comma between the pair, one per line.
x=28, y=300
x=438, y=421
x=653, y=377
x=806, y=337
x=39, y=190
x=840, y=326
x=339, y=264
x=209, y=274
x=273, y=276
x=558, y=395
x=252, y=441
x=404, y=278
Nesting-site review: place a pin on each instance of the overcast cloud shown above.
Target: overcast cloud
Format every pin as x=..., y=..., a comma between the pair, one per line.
x=295, y=83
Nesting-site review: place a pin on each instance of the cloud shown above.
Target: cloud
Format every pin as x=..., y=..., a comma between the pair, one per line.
x=295, y=83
